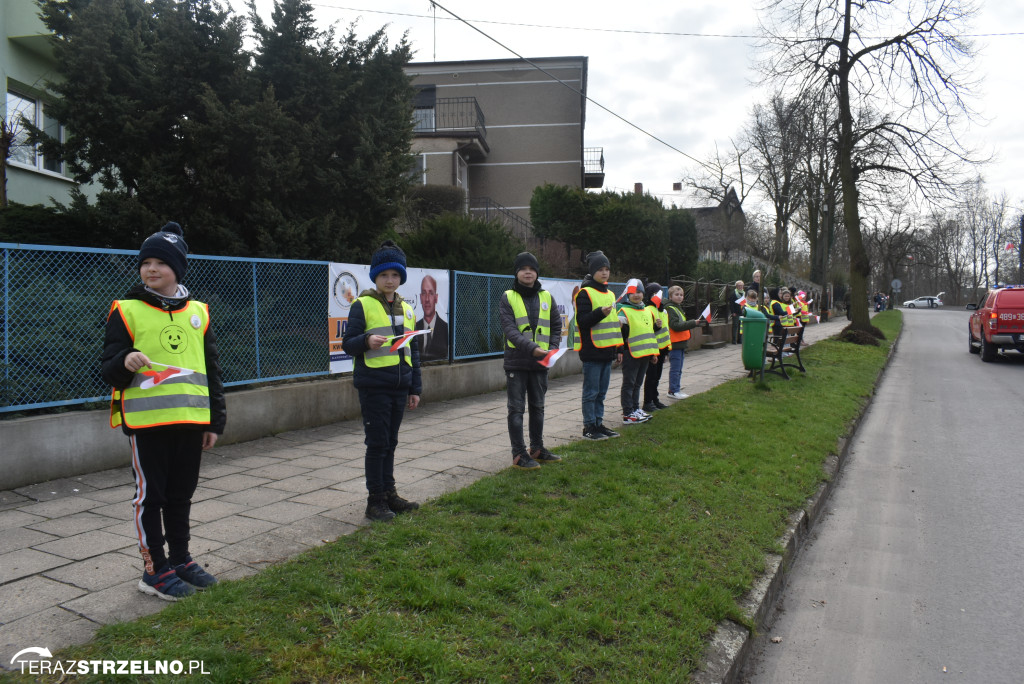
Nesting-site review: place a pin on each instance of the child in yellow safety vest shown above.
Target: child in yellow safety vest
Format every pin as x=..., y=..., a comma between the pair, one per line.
x=639, y=350
x=386, y=374
x=160, y=356
x=679, y=335
x=597, y=339
x=652, y=378
x=532, y=327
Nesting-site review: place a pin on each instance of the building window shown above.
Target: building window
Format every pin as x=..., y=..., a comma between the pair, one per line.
x=20, y=109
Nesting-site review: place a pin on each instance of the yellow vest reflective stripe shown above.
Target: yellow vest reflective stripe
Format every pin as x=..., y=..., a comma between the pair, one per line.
x=175, y=389
x=664, y=342
x=681, y=335
x=607, y=332
x=805, y=313
x=641, y=341
x=379, y=322
x=787, y=319
x=542, y=333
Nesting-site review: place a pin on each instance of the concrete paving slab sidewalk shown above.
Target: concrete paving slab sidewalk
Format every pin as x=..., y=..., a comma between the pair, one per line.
x=68, y=557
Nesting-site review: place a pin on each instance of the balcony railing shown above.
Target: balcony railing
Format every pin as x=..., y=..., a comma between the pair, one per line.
x=450, y=114
x=593, y=167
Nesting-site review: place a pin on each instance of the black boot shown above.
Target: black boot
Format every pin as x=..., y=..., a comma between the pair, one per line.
x=377, y=508
x=399, y=505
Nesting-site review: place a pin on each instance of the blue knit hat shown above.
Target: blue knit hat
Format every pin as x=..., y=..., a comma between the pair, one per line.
x=388, y=255
x=169, y=246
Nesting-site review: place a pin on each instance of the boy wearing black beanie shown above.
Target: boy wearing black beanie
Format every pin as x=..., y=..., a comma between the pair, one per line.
x=160, y=356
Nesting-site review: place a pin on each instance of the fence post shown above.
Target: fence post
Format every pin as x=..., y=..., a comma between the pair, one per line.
x=256, y=319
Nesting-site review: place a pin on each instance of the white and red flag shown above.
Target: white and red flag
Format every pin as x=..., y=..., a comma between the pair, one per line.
x=548, y=360
x=403, y=340
x=706, y=313
x=155, y=377
x=633, y=285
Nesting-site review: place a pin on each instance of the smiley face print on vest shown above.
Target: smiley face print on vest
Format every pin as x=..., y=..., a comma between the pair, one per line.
x=173, y=339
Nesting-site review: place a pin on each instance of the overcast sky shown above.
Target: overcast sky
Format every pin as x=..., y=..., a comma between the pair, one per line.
x=693, y=91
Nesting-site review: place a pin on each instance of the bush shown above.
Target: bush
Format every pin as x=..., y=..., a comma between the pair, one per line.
x=458, y=242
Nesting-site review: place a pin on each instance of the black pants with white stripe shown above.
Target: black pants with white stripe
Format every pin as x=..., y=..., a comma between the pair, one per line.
x=166, y=467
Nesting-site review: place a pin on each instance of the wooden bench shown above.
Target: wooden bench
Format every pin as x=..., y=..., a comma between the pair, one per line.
x=783, y=350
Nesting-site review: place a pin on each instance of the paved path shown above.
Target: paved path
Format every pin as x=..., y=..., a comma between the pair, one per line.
x=68, y=556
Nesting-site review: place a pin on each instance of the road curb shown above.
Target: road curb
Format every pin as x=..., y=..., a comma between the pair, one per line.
x=731, y=644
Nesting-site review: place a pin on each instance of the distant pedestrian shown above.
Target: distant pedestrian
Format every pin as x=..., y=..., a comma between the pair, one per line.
x=532, y=326
x=597, y=339
x=160, y=356
x=386, y=374
x=735, y=309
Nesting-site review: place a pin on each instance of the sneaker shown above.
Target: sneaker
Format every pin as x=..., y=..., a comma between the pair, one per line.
x=194, y=574
x=605, y=431
x=643, y=414
x=524, y=462
x=594, y=433
x=633, y=419
x=678, y=395
x=398, y=505
x=377, y=509
x=542, y=455
x=165, y=584
x=658, y=405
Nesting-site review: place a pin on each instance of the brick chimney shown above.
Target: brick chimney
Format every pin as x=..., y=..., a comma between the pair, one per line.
x=638, y=188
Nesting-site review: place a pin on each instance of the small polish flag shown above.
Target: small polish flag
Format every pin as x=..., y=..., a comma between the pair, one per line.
x=706, y=313
x=1010, y=246
x=549, y=359
x=154, y=377
x=403, y=340
x=817, y=319
x=741, y=301
x=633, y=286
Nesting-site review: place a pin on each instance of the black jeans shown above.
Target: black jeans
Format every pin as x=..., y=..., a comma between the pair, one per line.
x=166, y=466
x=523, y=385
x=653, y=377
x=382, y=416
x=633, y=373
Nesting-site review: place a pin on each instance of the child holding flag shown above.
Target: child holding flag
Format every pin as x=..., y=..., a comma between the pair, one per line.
x=679, y=333
x=652, y=298
x=160, y=356
x=386, y=375
x=639, y=351
x=533, y=329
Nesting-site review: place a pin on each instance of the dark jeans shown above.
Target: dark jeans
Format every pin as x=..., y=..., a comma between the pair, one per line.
x=166, y=466
x=653, y=377
x=633, y=372
x=382, y=416
x=596, y=376
x=523, y=385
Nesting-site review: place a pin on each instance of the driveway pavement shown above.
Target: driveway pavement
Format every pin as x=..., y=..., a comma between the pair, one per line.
x=68, y=556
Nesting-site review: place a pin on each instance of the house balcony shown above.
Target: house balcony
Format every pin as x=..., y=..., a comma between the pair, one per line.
x=458, y=118
x=593, y=167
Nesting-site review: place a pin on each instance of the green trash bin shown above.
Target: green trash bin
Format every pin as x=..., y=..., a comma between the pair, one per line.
x=755, y=339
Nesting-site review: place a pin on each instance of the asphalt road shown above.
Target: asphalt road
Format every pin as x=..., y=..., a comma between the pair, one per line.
x=916, y=572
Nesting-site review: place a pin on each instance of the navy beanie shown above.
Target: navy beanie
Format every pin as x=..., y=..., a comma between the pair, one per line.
x=524, y=259
x=169, y=246
x=596, y=261
x=388, y=255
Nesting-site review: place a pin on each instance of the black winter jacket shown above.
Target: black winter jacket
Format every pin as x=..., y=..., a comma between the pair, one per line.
x=353, y=341
x=117, y=344
x=522, y=358
x=587, y=318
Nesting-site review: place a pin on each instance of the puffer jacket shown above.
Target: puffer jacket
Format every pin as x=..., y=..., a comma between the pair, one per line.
x=353, y=341
x=587, y=318
x=522, y=358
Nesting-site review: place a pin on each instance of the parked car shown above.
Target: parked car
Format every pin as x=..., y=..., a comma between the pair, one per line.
x=998, y=323
x=925, y=302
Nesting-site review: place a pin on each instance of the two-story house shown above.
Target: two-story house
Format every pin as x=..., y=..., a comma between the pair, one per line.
x=500, y=128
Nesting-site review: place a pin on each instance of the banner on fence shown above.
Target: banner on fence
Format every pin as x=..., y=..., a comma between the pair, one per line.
x=562, y=291
x=426, y=289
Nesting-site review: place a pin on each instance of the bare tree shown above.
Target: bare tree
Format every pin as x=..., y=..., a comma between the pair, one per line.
x=777, y=139
x=725, y=181
x=818, y=217
x=894, y=69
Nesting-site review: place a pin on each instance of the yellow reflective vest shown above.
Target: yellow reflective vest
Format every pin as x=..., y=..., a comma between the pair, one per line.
x=379, y=322
x=641, y=341
x=786, y=318
x=606, y=333
x=174, y=390
x=661, y=334
x=542, y=333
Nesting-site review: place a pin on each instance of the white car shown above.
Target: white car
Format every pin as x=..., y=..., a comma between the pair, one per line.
x=924, y=302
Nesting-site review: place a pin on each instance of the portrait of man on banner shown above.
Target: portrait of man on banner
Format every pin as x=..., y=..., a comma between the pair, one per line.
x=433, y=347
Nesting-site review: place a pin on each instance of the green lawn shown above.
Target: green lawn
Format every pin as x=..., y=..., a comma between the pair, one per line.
x=614, y=565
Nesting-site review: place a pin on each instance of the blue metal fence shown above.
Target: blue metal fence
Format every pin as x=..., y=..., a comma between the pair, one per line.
x=269, y=315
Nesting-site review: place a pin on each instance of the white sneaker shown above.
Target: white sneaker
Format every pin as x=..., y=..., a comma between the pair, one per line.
x=678, y=395
x=642, y=415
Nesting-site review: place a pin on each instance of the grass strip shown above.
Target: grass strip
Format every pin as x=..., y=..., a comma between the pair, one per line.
x=615, y=565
